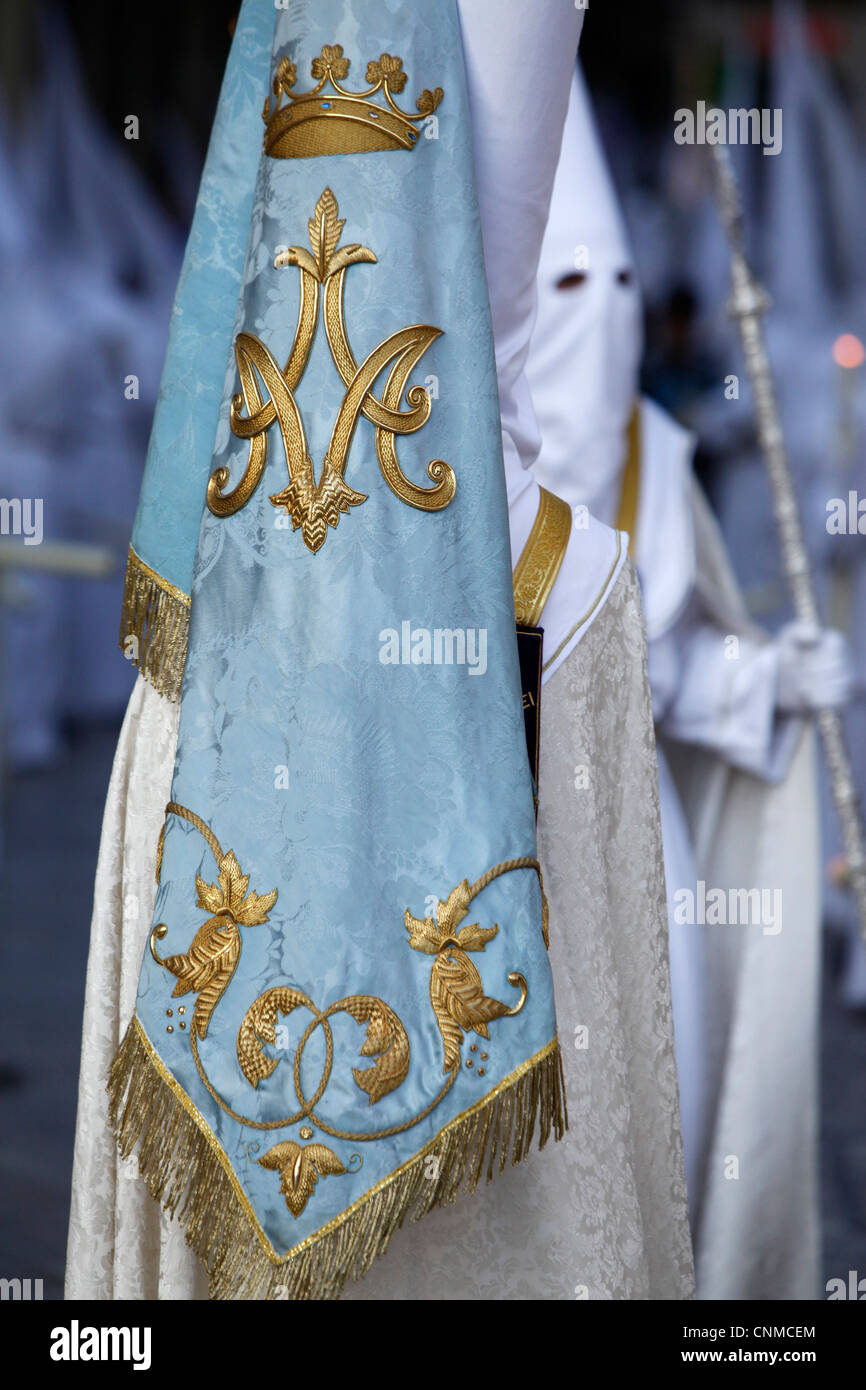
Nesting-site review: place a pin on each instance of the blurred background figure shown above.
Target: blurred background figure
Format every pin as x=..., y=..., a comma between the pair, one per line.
x=805, y=217
x=93, y=218
x=89, y=266
x=736, y=767
x=805, y=214
x=94, y=211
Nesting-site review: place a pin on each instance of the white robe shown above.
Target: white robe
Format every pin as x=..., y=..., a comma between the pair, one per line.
x=739, y=810
x=736, y=781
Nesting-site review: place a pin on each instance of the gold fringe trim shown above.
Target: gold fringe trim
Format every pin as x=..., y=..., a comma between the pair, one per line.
x=156, y=614
x=188, y=1172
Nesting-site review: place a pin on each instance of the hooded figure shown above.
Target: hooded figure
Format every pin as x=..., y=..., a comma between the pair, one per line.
x=86, y=290
x=326, y=859
x=736, y=770
x=816, y=197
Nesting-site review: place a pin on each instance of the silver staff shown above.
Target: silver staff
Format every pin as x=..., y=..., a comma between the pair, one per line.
x=748, y=302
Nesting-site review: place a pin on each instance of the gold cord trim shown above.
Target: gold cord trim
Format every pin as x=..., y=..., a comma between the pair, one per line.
x=541, y=558
x=154, y=626
x=626, y=518
x=524, y=863
x=173, y=808
x=189, y=1173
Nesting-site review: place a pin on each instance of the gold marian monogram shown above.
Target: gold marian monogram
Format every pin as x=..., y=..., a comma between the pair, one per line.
x=457, y=996
x=314, y=506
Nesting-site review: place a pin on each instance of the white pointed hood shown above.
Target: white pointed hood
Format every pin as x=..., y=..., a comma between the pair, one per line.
x=586, y=348
x=815, y=193
x=583, y=371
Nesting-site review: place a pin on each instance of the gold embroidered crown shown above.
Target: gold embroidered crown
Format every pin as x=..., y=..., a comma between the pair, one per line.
x=317, y=122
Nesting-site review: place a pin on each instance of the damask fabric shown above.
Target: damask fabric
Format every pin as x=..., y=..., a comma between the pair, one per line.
x=337, y=802
x=120, y=1243
x=601, y=1215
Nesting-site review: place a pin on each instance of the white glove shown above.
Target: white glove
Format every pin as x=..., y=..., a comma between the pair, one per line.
x=815, y=669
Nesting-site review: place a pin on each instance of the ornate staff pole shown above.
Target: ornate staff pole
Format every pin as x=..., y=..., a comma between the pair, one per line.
x=747, y=304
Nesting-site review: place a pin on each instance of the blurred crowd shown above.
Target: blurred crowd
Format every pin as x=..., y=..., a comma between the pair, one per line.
x=88, y=265
x=805, y=215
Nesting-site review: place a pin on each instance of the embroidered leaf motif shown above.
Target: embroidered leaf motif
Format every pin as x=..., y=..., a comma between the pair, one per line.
x=341, y=259
x=354, y=254
x=459, y=1002
x=386, y=1040
x=314, y=507
x=325, y=228
x=207, y=968
x=210, y=897
x=423, y=932
x=388, y=69
x=208, y=965
x=475, y=938
x=456, y=992
x=450, y=914
x=452, y=1036
x=253, y=912
x=259, y=1025
x=300, y=1168
x=425, y=935
x=331, y=61
x=231, y=895
x=428, y=101
x=299, y=256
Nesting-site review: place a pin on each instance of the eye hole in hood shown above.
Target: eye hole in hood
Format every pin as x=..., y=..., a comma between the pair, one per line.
x=572, y=280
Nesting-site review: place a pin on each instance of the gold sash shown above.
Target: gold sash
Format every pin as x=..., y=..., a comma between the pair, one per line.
x=541, y=558
x=626, y=517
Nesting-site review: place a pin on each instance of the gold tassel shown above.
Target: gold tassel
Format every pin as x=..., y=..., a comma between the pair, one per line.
x=187, y=1171
x=155, y=616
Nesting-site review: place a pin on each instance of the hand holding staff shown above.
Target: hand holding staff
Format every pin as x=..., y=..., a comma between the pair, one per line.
x=747, y=304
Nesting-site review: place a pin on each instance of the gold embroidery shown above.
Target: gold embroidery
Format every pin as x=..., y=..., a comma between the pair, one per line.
x=386, y=1040
x=312, y=506
x=188, y=1171
x=540, y=560
x=207, y=968
x=174, y=809
x=456, y=992
x=300, y=1167
x=259, y=1026
x=526, y=862
x=347, y=122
